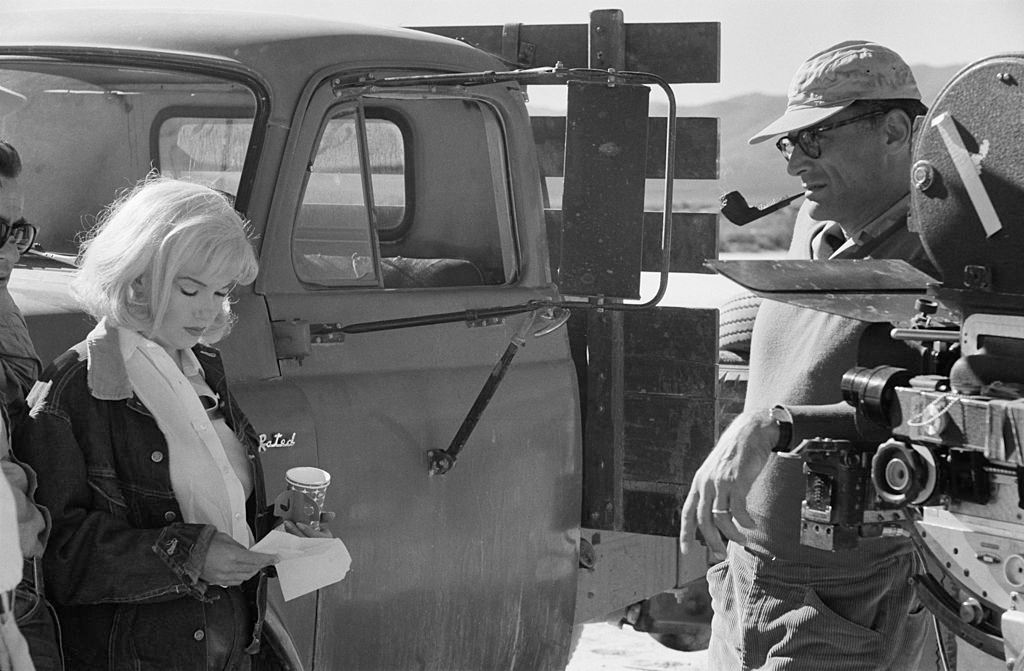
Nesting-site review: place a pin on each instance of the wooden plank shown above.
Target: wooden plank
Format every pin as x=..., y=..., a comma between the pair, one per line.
x=607, y=39
x=549, y=139
x=553, y=224
x=669, y=383
x=603, y=433
x=680, y=53
x=659, y=367
x=696, y=146
x=694, y=240
x=667, y=437
x=627, y=568
x=653, y=513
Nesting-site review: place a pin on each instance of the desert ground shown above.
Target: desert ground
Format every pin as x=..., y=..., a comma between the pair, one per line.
x=605, y=647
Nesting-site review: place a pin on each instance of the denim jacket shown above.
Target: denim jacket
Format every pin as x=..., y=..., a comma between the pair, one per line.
x=121, y=565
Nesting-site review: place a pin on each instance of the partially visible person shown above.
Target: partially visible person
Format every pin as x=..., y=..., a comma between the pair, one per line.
x=19, y=367
x=847, y=134
x=152, y=475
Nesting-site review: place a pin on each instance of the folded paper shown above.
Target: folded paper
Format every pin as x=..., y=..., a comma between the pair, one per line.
x=305, y=564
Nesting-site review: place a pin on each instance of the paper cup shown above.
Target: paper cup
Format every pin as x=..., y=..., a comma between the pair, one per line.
x=312, y=482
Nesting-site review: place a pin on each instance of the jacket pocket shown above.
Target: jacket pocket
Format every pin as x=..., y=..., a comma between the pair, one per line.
x=169, y=636
x=104, y=484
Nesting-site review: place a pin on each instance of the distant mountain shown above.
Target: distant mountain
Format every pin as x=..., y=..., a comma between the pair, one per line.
x=758, y=171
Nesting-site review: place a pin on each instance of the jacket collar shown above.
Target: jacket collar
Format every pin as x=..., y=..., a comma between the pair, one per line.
x=107, y=375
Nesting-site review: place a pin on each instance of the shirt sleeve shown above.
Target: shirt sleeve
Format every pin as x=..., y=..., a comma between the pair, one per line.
x=19, y=363
x=33, y=520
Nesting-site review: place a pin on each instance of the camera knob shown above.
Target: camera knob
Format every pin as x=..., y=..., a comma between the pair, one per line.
x=971, y=611
x=903, y=473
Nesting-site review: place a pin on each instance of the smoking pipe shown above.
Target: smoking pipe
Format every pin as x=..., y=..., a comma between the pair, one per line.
x=736, y=209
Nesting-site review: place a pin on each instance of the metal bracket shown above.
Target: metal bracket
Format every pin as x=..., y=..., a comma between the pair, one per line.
x=485, y=321
x=607, y=39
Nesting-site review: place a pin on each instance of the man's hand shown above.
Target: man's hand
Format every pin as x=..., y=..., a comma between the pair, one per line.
x=228, y=563
x=718, y=493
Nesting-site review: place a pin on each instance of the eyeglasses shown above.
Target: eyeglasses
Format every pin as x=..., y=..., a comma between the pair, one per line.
x=22, y=233
x=809, y=141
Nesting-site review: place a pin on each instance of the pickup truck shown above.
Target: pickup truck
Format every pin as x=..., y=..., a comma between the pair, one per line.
x=499, y=477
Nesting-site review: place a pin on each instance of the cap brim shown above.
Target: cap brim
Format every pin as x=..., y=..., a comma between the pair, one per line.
x=795, y=119
x=10, y=101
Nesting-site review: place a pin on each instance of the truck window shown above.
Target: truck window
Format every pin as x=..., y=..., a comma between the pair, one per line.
x=332, y=243
x=88, y=131
x=209, y=149
x=433, y=177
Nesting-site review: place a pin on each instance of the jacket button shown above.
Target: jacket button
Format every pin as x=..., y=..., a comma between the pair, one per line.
x=157, y=456
x=169, y=516
x=199, y=635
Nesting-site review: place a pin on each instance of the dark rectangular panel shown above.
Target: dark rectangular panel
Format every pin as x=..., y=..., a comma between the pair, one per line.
x=603, y=197
x=553, y=223
x=680, y=53
x=651, y=414
x=694, y=240
x=653, y=513
x=603, y=431
x=696, y=146
x=667, y=437
x=671, y=351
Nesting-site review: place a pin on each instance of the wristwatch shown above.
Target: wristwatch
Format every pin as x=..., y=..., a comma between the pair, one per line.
x=784, y=420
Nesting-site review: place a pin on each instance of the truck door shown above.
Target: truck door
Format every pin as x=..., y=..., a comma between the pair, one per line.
x=409, y=204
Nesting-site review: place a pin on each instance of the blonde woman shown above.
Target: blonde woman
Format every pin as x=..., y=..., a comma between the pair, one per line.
x=147, y=464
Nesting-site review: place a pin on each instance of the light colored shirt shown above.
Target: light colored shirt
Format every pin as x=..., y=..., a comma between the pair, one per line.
x=205, y=483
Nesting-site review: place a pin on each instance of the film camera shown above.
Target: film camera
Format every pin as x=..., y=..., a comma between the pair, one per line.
x=951, y=473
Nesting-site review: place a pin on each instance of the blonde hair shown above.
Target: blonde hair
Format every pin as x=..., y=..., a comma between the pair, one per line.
x=145, y=238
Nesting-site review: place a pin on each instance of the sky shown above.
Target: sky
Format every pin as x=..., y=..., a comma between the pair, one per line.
x=763, y=41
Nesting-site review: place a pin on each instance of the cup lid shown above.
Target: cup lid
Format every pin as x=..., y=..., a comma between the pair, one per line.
x=308, y=476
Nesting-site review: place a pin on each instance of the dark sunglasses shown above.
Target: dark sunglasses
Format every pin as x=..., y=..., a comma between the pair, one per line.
x=21, y=232
x=809, y=138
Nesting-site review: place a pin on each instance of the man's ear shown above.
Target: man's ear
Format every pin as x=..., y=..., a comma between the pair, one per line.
x=899, y=129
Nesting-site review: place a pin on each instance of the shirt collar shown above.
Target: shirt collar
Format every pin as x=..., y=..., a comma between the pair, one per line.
x=883, y=223
x=108, y=346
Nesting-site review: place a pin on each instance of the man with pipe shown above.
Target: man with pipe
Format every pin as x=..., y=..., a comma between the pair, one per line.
x=846, y=133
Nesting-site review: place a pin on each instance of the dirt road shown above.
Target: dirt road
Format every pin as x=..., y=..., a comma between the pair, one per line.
x=604, y=647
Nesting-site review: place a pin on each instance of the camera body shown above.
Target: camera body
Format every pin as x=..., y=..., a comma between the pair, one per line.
x=951, y=476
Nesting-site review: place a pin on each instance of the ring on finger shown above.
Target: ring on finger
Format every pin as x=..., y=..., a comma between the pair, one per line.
x=720, y=512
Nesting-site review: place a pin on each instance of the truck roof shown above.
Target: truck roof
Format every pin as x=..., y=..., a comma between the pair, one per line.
x=279, y=50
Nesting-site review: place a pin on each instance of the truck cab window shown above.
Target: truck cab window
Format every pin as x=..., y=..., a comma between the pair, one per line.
x=434, y=220
x=206, y=149
x=333, y=243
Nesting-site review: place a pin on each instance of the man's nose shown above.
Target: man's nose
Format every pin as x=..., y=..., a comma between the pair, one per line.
x=798, y=162
x=9, y=252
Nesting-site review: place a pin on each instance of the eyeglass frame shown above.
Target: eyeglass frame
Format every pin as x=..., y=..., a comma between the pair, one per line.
x=7, y=229
x=804, y=137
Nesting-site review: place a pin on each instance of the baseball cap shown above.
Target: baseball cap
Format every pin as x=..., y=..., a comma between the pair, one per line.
x=832, y=80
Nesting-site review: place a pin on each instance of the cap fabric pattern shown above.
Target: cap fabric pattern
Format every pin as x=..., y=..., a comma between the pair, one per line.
x=831, y=80
x=10, y=101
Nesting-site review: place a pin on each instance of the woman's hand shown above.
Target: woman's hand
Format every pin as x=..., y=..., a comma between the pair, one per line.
x=228, y=563
x=307, y=530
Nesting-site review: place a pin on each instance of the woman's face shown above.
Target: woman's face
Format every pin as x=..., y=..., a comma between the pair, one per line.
x=196, y=299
